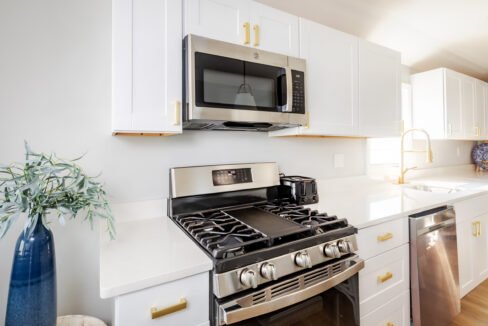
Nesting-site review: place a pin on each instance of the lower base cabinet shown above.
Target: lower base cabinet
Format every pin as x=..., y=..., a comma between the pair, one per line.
x=394, y=313
x=182, y=302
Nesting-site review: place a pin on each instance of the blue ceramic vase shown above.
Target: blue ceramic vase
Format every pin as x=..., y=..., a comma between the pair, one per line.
x=32, y=292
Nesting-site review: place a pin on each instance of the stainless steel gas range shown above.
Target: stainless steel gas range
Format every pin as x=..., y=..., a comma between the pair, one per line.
x=275, y=262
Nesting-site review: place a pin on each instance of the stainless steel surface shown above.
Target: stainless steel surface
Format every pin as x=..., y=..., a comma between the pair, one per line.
x=249, y=278
x=302, y=259
x=289, y=292
x=212, y=118
x=197, y=180
x=344, y=246
x=433, y=189
x=434, y=267
x=228, y=283
x=268, y=271
x=332, y=250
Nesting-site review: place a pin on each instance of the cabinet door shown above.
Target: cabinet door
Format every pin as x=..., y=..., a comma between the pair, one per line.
x=480, y=249
x=274, y=30
x=332, y=76
x=146, y=75
x=466, y=240
x=454, y=112
x=218, y=19
x=482, y=107
x=379, y=91
x=469, y=108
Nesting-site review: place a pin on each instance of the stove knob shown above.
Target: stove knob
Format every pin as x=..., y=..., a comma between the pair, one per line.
x=303, y=260
x=332, y=251
x=268, y=271
x=249, y=278
x=345, y=246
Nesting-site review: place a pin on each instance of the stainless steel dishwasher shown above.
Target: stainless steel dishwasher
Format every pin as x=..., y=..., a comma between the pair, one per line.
x=434, y=274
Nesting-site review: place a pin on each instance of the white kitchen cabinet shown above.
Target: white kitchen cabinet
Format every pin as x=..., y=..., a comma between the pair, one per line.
x=344, y=98
x=135, y=308
x=449, y=105
x=472, y=240
x=243, y=22
x=482, y=108
x=384, y=282
x=146, y=67
x=395, y=312
x=379, y=91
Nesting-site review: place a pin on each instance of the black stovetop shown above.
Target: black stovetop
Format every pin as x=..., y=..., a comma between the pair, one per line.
x=236, y=237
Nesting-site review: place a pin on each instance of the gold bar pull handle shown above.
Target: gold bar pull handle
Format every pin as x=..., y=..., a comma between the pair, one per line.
x=385, y=237
x=386, y=277
x=390, y=324
x=257, y=35
x=475, y=228
x=160, y=312
x=177, y=108
x=477, y=131
x=247, y=33
x=479, y=228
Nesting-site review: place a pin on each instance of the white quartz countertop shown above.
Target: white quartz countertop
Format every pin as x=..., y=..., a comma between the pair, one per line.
x=366, y=202
x=147, y=252
x=151, y=250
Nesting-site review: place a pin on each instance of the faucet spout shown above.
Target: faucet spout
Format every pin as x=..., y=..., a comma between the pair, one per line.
x=428, y=152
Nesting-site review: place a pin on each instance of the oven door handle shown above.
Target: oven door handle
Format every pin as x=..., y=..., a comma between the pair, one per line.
x=234, y=316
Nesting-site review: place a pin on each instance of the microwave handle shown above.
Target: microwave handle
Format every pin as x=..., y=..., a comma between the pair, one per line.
x=288, y=107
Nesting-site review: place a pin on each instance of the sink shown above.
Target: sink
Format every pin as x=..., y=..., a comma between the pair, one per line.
x=433, y=189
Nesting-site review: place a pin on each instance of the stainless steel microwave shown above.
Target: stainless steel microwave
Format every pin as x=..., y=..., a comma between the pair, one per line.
x=233, y=87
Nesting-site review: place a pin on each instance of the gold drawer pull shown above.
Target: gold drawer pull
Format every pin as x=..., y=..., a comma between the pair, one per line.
x=177, y=118
x=385, y=237
x=384, y=278
x=160, y=312
x=390, y=324
x=476, y=229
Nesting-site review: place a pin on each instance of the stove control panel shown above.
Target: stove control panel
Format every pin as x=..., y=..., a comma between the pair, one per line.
x=231, y=176
x=253, y=275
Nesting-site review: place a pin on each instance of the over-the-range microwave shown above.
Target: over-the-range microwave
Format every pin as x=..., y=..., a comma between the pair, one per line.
x=233, y=87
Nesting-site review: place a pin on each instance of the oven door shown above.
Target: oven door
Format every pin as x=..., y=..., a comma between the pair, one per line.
x=327, y=295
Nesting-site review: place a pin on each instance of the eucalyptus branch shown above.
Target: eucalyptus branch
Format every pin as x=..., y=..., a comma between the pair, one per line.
x=45, y=183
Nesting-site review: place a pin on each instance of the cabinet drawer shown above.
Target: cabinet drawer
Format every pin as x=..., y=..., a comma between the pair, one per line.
x=394, y=313
x=135, y=308
x=467, y=209
x=377, y=239
x=383, y=278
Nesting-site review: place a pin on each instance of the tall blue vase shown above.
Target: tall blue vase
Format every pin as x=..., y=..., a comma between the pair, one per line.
x=32, y=292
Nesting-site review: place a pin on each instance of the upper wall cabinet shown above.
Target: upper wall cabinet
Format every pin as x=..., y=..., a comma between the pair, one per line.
x=450, y=105
x=352, y=86
x=243, y=22
x=379, y=91
x=146, y=66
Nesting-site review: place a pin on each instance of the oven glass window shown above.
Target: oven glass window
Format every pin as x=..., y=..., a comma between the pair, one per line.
x=229, y=83
x=338, y=306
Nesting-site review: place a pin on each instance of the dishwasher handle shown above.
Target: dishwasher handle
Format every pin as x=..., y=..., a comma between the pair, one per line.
x=431, y=220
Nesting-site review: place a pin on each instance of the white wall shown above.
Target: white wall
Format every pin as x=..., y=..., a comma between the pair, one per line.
x=55, y=93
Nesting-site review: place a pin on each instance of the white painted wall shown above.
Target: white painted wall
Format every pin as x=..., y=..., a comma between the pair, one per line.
x=55, y=93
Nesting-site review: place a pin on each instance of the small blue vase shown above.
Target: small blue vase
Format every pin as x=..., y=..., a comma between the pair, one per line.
x=32, y=292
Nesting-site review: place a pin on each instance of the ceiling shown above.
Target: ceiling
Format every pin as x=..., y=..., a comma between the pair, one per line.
x=428, y=33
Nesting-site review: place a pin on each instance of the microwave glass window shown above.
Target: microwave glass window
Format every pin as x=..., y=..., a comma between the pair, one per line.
x=235, y=84
x=241, y=90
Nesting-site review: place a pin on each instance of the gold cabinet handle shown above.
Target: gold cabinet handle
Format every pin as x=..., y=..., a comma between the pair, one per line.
x=476, y=229
x=390, y=324
x=479, y=229
x=477, y=131
x=160, y=312
x=385, y=237
x=386, y=277
x=256, y=35
x=247, y=33
x=177, y=108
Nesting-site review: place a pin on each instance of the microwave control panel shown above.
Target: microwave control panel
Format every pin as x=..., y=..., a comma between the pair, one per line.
x=298, y=80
